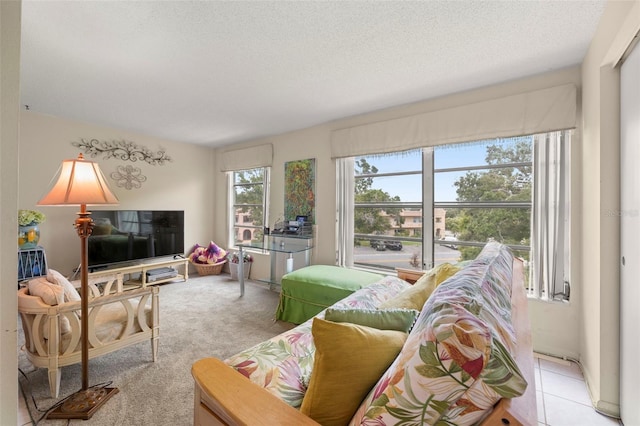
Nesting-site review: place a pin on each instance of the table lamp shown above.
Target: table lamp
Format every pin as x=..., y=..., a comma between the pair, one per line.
x=80, y=182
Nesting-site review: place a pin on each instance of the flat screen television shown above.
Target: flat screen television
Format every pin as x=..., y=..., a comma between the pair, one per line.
x=123, y=236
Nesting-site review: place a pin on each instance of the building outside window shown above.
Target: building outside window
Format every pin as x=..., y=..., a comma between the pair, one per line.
x=248, y=189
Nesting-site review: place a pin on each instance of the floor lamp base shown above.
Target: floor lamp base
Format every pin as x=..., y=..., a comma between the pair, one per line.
x=82, y=404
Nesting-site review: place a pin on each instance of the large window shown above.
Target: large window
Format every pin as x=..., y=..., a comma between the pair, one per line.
x=388, y=210
x=249, y=193
x=421, y=208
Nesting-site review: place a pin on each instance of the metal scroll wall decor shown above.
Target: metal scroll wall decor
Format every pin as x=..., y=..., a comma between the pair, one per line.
x=128, y=177
x=122, y=150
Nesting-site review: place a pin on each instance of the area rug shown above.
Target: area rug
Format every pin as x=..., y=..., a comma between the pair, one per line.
x=203, y=317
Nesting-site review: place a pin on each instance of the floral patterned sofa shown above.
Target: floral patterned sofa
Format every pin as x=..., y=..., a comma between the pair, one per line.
x=466, y=360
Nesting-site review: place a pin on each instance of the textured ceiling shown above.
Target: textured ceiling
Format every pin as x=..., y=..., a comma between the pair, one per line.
x=213, y=72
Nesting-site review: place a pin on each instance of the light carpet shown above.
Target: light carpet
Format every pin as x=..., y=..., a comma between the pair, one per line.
x=203, y=317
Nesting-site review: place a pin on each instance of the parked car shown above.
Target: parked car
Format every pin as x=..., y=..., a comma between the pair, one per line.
x=393, y=245
x=451, y=242
x=378, y=245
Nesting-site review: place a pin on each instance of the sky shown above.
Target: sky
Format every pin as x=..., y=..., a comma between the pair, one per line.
x=409, y=188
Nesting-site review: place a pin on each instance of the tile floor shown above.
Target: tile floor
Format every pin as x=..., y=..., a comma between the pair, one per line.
x=23, y=413
x=562, y=397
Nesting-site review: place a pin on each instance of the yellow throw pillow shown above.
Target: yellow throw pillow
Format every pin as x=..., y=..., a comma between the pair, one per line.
x=415, y=296
x=441, y=273
x=348, y=362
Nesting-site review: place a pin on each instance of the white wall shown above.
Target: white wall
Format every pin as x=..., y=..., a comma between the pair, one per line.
x=187, y=183
x=629, y=231
x=599, y=228
x=9, y=115
x=314, y=142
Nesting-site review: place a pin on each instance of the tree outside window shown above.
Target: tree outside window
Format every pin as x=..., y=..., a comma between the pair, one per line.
x=249, y=205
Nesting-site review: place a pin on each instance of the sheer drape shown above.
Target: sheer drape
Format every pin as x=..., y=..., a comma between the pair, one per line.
x=550, y=216
x=344, y=211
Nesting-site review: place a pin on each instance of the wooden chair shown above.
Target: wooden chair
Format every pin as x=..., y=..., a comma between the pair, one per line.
x=117, y=319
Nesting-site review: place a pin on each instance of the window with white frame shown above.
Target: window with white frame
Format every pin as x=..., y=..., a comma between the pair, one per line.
x=420, y=208
x=248, y=191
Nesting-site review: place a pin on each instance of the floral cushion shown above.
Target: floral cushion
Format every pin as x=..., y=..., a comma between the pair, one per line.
x=456, y=363
x=283, y=364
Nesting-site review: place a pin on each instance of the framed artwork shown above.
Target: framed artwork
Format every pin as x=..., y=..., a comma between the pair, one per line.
x=299, y=189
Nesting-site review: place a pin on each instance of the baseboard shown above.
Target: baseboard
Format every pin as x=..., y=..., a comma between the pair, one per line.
x=603, y=407
x=551, y=358
x=607, y=408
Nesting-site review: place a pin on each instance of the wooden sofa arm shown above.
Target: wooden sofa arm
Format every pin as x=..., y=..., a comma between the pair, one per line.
x=225, y=397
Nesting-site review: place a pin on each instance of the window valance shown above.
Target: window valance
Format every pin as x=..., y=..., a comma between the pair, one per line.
x=526, y=113
x=247, y=158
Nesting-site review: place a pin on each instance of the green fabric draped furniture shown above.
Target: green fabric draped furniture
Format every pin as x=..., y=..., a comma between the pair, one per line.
x=309, y=290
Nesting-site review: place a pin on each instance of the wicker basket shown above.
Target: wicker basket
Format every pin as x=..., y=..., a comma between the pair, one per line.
x=209, y=269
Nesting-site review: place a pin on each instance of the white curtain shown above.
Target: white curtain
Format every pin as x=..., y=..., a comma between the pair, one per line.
x=551, y=213
x=344, y=211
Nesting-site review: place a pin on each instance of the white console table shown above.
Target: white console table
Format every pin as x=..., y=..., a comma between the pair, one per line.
x=142, y=269
x=274, y=244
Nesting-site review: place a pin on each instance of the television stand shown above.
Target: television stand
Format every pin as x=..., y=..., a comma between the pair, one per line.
x=144, y=274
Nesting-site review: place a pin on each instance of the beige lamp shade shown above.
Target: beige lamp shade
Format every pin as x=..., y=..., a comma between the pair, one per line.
x=78, y=182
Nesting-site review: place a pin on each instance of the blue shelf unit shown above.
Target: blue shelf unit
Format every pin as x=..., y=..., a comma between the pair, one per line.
x=31, y=263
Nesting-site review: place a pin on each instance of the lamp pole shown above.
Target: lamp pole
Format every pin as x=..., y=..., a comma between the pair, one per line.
x=84, y=227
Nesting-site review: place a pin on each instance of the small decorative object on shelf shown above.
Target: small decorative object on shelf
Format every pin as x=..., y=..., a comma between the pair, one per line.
x=28, y=231
x=208, y=260
x=234, y=261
